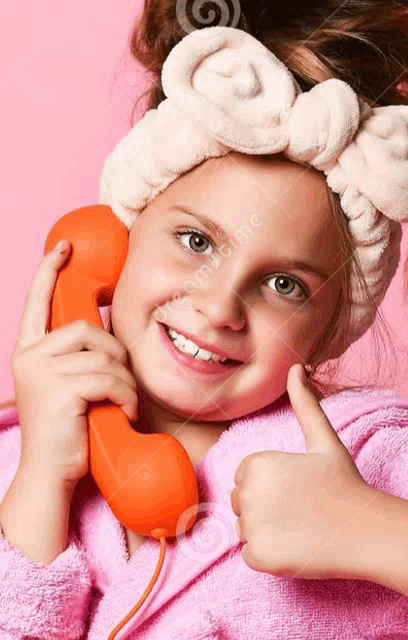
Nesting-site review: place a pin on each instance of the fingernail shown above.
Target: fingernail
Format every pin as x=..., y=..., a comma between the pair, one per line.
x=62, y=246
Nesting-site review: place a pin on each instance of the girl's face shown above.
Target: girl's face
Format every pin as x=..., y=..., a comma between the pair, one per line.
x=264, y=295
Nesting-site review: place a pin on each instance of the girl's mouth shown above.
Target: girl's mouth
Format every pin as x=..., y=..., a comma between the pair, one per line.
x=187, y=360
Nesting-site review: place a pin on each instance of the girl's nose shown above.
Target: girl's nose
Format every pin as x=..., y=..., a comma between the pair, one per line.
x=221, y=305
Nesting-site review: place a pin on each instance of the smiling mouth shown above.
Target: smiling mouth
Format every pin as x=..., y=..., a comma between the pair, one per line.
x=228, y=362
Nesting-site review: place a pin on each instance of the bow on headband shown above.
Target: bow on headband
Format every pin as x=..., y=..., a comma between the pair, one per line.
x=227, y=92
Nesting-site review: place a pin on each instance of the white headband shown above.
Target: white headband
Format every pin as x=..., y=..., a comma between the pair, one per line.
x=227, y=92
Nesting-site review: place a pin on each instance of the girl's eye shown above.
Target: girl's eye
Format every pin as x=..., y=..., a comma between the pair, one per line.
x=195, y=242
x=284, y=285
x=287, y=285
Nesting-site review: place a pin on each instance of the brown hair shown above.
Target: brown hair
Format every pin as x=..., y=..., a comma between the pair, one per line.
x=363, y=42
x=322, y=368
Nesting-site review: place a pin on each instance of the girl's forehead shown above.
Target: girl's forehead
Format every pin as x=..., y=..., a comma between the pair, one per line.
x=234, y=188
x=260, y=178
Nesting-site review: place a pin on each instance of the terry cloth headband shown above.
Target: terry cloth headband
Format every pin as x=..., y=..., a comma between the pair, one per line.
x=227, y=92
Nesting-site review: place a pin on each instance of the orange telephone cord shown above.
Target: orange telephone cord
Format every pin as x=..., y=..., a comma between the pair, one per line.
x=146, y=593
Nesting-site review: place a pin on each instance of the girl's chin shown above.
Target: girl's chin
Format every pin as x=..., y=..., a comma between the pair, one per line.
x=150, y=400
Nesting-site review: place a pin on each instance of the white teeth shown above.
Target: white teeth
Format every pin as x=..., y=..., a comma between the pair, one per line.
x=188, y=346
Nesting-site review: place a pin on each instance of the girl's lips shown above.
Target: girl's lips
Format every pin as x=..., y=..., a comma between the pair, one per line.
x=199, y=366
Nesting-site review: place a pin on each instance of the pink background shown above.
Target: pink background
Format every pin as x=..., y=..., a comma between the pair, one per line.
x=68, y=88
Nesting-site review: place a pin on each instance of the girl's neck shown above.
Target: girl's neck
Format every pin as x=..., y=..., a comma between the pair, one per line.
x=196, y=437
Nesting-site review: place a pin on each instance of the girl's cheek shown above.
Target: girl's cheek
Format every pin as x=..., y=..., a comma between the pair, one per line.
x=302, y=334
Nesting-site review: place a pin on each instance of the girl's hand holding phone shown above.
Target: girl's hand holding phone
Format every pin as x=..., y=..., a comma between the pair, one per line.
x=54, y=380
x=302, y=514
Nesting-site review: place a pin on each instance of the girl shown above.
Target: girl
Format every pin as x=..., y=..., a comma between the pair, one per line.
x=264, y=305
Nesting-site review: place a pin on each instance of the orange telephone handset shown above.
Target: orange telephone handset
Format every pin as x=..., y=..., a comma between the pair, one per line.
x=148, y=480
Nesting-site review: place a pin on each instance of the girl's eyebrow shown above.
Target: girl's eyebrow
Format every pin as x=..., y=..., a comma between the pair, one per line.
x=304, y=266
x=210, y=224
x=285, y=262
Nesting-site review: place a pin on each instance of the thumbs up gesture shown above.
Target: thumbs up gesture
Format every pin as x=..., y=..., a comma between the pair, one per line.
x=299, y=514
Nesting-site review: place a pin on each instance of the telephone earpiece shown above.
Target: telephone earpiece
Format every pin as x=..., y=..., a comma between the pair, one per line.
x=148, y=480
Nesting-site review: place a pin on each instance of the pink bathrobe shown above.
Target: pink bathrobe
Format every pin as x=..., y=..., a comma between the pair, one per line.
x=205, y=590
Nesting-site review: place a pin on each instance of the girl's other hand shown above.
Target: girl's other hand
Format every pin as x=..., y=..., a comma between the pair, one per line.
x=54, y=380
x=299, y=512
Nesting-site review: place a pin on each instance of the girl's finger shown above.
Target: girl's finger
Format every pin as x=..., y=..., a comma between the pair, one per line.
x=91, y=362
x=319, y=434
x=37, y=304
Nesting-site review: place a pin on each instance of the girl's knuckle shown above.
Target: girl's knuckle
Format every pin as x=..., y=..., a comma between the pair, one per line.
x=260, y=460
x=111, y=381
x=81, y=326
x=19, y=361
x=251, y=556
x=15, y=363
x=126, y=375
x=117, y=369
x=246, y=495
x=104, y=360
x=120, y=351
x=252, y=459
x=123, y=354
